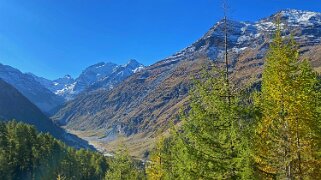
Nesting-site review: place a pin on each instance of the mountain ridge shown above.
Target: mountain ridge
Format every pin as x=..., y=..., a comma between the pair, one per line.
x=30, y=88
x=100, y=75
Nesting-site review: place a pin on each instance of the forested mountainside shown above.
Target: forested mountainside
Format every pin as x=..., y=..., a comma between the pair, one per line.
x=13, y=105
x=147, y=100
x=27, y=154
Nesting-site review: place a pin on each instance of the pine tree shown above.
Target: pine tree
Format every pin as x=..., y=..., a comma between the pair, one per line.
x=4, y=163
x=212, y=142
x=213, y=131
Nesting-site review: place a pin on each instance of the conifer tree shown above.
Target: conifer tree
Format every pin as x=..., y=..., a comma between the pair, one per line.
x=287, y=135
x=26, y=154
x=212, y=142
x=213, y=133
x=168, y=159
x=155, y=169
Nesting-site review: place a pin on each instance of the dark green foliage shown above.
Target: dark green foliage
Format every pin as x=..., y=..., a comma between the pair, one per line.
x=27, y=154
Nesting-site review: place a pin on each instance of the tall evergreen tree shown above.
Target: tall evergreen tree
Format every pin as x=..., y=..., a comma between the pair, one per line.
x=213, y=131
x=211, y=144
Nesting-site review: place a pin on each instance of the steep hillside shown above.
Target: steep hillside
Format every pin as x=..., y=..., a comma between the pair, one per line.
x=146, y=101
x=13, y=105
x=30, y=88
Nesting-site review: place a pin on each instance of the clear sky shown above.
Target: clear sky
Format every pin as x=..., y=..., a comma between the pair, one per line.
x=51, y=38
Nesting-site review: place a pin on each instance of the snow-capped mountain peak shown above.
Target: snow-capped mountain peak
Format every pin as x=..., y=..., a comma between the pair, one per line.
x=100, y=75
x=133, y=65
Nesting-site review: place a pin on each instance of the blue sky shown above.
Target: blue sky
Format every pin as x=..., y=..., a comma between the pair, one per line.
x=52, y=38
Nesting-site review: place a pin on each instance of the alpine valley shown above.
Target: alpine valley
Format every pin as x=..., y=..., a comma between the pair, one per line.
x=31, y=99
x=110, y=104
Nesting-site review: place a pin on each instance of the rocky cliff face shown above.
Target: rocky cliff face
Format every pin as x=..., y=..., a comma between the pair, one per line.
x=148, y=99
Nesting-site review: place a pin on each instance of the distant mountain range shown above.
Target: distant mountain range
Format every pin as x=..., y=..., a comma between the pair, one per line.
x=99, y=76
x=26, y=97
x=48, y=95
x=147, y=100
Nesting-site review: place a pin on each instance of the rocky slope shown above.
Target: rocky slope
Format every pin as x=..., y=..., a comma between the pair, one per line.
x=30, y=88
x=13, y=105
x=147, y=100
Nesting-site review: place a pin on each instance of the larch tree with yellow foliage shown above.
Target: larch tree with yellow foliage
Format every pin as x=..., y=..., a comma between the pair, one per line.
x=287, y=135
x=155, y=168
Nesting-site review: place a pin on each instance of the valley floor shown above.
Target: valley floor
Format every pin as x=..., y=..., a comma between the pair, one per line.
x=137, y=145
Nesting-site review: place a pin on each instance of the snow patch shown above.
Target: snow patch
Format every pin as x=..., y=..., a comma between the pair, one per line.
x=139, y=69
x=239, y=50
x=243, y=38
